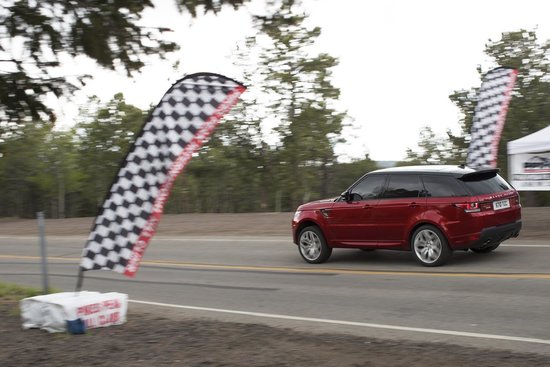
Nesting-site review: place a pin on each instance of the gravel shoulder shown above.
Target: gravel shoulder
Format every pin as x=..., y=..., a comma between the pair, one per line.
x=204, y=224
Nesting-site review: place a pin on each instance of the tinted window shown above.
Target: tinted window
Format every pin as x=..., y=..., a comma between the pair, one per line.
x=487, y=185
x=440, y=186
x=403, y=186
x=369, y=188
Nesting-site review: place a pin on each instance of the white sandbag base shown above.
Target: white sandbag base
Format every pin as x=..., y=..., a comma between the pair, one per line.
x=51, y=312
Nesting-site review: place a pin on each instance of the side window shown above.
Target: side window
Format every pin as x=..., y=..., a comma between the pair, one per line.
x=443, y=186
x=403, y=186
x=369, y=188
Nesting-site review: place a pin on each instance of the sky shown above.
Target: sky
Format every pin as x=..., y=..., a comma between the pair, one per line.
x=398, y=61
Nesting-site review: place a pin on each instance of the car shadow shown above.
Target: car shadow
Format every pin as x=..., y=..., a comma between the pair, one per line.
x=397, y=259
x=469, y=257
x=376, y=257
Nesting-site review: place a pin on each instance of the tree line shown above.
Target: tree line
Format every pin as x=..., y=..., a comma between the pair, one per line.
x=68, y=173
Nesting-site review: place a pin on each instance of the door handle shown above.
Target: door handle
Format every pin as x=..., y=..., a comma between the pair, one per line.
x=414, y=205
x=367, y=206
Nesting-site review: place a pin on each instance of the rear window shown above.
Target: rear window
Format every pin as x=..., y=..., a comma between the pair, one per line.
x=443, y=186
x=487, y=185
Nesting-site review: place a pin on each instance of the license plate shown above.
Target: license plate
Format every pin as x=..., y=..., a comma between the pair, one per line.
x=501, y=204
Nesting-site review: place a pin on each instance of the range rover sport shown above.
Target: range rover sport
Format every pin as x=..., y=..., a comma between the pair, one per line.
x=428, y=210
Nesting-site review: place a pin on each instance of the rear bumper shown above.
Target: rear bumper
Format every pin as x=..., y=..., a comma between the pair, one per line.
x=494, y=235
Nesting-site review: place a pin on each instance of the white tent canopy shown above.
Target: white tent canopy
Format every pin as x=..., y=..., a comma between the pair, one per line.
x=529, y=161
x=538, y=141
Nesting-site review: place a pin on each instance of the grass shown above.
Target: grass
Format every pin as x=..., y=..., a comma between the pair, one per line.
x=10, y=294
x=14, y=292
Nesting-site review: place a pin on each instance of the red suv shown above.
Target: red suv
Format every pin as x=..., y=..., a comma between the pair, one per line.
x=429, y=210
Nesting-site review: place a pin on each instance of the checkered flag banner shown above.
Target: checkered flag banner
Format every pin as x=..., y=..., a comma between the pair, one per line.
x=177, y=127
x=490, y=113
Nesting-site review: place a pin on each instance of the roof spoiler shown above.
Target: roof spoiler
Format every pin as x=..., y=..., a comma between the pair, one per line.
x=480, y=175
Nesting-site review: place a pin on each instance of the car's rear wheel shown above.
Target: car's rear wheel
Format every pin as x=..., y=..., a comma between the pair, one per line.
x=430, y=246
x=485, y=250
x=313, y=246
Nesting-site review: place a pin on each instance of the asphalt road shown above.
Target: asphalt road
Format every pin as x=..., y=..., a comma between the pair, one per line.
x=497, y=300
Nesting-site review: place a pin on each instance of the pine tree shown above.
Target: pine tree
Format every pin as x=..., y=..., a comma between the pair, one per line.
x=34, y=34
x=303, y=102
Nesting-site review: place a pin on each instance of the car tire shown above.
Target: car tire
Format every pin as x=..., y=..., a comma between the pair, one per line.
x=313, y=246
x=429, y=246
x=485, y=250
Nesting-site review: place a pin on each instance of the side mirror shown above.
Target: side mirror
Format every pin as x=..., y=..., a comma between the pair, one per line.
x=346, y=196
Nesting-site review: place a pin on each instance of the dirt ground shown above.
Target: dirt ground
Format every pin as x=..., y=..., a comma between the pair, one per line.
x=151, y=338
x=246, y=224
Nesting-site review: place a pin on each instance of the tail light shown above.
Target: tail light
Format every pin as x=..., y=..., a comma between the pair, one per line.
x=469, y=207
x=484, y=206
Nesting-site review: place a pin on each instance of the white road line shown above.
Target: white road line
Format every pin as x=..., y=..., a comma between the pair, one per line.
x=227, y=239
x=352, y=323
x=511, y=245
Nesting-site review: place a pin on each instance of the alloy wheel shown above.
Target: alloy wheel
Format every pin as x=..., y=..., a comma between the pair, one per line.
x=310, y=245
x=427, y=246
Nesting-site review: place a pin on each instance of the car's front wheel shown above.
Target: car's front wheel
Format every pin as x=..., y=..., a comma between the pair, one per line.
x=313, y=246
x=430, y=246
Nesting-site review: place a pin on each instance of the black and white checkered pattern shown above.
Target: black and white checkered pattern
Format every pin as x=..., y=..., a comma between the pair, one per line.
x=490, y=113
x=185, y=116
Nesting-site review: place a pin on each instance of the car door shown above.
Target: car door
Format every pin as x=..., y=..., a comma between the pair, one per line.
x=400, y=206
x=349, y=222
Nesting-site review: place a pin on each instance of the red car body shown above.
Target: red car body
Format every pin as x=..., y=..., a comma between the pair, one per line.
x=482, y=212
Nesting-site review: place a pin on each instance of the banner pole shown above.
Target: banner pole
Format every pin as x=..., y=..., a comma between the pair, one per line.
x=43, y=255
x=79, y=280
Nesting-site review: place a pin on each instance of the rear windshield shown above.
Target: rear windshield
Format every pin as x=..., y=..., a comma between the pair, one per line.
x=487, y=185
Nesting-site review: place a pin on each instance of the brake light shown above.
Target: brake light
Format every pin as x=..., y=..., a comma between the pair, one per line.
x=515, y=200
x=469, y=207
